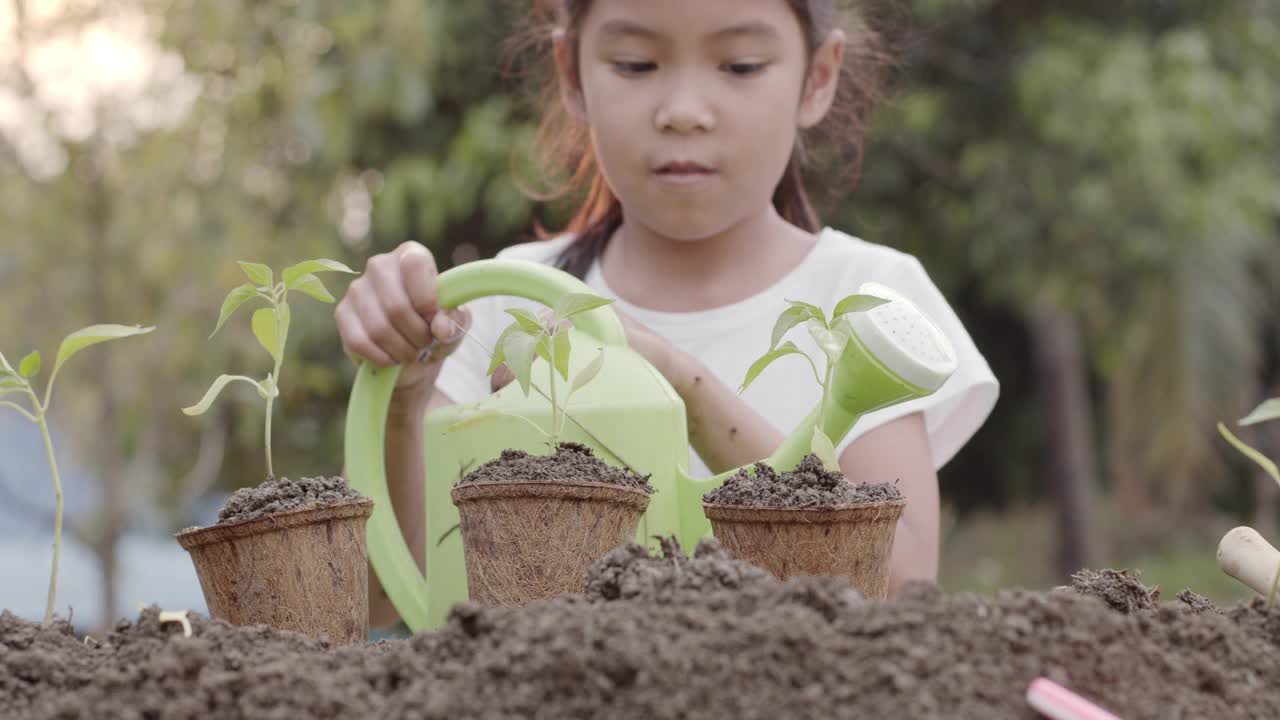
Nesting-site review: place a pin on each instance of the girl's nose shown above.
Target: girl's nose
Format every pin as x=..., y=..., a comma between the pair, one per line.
x=684, y=110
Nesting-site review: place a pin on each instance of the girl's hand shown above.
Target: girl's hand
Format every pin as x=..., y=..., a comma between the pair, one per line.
x=390, y=315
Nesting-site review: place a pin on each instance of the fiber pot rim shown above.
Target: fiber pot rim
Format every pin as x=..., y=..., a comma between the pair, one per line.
x=564, y=489
x=768, y=514
x=305, y=515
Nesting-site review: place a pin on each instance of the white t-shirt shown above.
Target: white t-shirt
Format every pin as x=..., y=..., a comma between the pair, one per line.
x=729, y=338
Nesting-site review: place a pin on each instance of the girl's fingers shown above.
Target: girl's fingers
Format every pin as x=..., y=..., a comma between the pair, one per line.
x=375, y=323
x=418, y=277
x=355, y=341
x=386, y=280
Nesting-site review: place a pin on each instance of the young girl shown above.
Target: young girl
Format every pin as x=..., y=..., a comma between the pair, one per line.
x=683, y=122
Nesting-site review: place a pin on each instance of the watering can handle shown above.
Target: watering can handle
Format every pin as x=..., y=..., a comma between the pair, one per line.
x=365, y=435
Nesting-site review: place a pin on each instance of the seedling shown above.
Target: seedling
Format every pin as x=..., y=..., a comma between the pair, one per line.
x=546, y=336
x=270, y=326
x=1269, y=410
x=18, y=382
x=832, y=335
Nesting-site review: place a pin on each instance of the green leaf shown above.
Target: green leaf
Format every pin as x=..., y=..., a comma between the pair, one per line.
x=575, y=303
x=234, y=300
x=1249, y=452
x=293, y=274
x=831, y=342
x=30, y=365
x=260, y=274
x=792, y=316
x=856, y=304
x=825, y=450
x=527, y=321
x=311, y=285
x=588, y=373
x=268, y=388
x=787, y=348
x=519, y=350
x=264, y=328
x=1269, y=410
x=92, y=335
x=543, y=348
x=207, y=401
x=499, y=356
x=562, y=351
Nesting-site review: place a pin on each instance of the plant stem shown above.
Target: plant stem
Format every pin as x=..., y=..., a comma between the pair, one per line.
x=57, y=517
x=826, y=393
x=19, y=408
x=555, y=424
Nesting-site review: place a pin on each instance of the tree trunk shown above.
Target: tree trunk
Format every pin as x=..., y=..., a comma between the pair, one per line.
x=107, y=455
x=1062, y=375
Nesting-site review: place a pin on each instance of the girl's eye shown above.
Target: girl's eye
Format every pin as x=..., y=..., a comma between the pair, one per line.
x=634, y=67
x=745, y=69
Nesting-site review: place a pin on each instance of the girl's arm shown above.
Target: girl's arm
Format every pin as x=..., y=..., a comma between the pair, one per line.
x=899, y=451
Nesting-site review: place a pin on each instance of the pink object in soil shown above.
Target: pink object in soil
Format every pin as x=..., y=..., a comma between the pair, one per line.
x=1058, y=703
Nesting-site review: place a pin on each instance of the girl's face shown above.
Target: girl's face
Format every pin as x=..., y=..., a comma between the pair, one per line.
x=694, y=105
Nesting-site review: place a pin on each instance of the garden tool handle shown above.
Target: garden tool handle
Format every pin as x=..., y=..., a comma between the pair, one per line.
x=365, y=434
x=1248, y=557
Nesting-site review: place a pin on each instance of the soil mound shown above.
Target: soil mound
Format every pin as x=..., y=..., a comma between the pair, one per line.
x=672, y=636
x=282, y=494
x=810, y=485
x=570, y=462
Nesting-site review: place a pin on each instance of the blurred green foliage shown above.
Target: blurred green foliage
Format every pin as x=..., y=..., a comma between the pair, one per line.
x=1116, y=161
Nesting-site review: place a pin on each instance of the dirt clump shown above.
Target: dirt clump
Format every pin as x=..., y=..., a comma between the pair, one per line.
x=1118, y=588
x=282, y=494
x=810, y=485
x=674, y=636
x=630, y=573
x=571, y=462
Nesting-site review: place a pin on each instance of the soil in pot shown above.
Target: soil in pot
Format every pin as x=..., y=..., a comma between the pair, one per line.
x=672, y=636
x=289, y=554
x=809, y=521
x=532, y=525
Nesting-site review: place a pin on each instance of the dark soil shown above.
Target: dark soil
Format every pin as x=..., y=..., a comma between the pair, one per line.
x=810, y=485
x=1118, y=588
x=671, y=636
x=571, y=462
x=279, y=495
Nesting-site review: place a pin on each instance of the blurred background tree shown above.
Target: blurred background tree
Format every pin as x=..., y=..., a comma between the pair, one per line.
x=1093, y=185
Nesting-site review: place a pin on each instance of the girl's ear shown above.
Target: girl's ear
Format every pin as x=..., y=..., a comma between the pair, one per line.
x=823, y=81
x=567, y=72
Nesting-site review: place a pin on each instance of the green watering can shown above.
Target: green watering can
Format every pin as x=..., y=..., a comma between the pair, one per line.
x=629, y=415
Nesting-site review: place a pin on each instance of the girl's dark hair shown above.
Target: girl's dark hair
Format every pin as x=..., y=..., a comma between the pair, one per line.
x=564, y=145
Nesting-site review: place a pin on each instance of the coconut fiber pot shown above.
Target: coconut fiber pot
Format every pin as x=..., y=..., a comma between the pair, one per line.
x=525, y=541
x=305, y=570
x=852, y=542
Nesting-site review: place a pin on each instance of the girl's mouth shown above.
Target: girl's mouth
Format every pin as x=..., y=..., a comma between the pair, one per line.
x=684, y=173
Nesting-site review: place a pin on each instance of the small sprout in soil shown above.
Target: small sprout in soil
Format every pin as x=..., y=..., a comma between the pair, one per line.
x=832, y=335
x=177, y=616
x=546, y=336
x=18, y=382
x=270, y=325
x=1269, y=410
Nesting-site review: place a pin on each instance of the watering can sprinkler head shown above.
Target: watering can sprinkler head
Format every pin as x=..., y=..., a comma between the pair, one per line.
x=895, y=354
